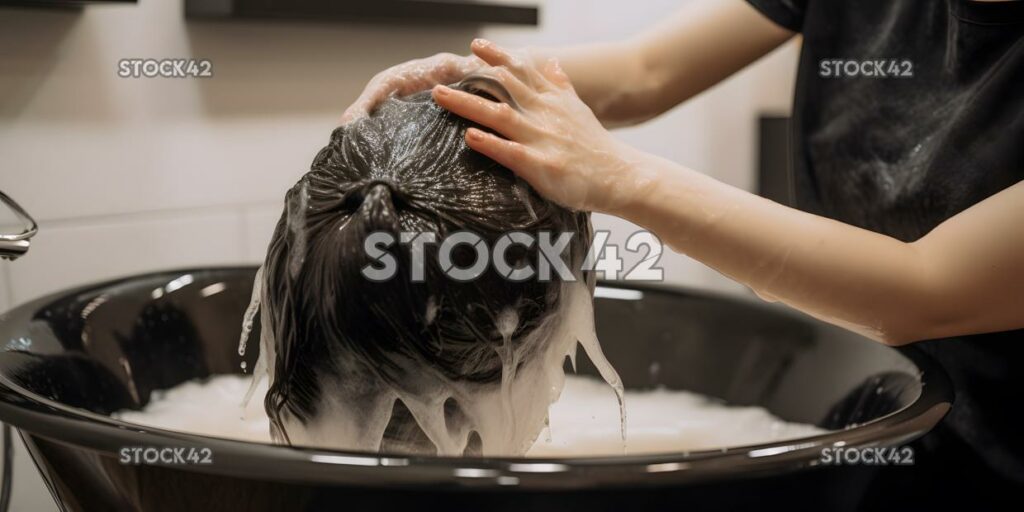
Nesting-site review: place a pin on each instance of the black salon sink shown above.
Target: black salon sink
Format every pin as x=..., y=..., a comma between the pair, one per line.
x=74, y=357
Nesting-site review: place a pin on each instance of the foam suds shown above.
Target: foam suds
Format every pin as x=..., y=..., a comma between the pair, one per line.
x=250, y=312
x=266, y=345
x=507, y=417
x=356, y=406
x=582, y=421
x=588, y=339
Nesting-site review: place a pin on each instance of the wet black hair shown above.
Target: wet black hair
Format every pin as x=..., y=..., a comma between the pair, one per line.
x=404, y=168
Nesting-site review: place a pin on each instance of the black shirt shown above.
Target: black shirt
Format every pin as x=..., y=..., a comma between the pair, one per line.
x=906, y=113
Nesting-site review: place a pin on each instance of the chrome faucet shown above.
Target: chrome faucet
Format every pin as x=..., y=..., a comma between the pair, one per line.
x=13, y=246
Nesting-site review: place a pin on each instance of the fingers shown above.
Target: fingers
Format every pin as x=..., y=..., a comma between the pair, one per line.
x=495, y=55
x=515, y=87
x=499, y=117
x=497, y=84
x=512, y=155
x=527, y=70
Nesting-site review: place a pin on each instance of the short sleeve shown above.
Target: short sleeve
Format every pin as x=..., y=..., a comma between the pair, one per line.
x=788, y=14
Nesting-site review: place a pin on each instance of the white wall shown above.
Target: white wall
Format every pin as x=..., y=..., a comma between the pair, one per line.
x=130, y=175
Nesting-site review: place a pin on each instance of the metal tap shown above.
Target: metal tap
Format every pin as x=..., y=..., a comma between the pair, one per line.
x=14, y=245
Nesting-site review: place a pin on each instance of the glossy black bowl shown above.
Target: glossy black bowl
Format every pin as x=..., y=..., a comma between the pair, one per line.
x=74, y=357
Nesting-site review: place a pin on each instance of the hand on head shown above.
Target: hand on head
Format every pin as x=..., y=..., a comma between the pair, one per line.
x=551, y=139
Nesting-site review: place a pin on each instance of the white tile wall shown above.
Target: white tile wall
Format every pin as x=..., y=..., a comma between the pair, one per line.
x=77, y=252
x=260, y=221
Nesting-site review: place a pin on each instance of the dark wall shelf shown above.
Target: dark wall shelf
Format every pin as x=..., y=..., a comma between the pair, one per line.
x=427, y=11
x=60, y=3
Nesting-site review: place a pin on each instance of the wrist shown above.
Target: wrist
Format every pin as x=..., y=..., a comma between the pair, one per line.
x=633, y=180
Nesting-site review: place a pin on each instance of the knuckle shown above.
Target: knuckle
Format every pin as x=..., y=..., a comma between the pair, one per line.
x=554, y=163
x=503, y=75
x=522, y=64
x=517, y=152
x=505, y=113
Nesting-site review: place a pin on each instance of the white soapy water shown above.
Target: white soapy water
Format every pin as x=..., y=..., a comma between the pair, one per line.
x=356, y=405
x=508, y=416
x=582, y=422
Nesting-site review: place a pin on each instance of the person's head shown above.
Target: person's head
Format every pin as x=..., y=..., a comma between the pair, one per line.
x=343, y=340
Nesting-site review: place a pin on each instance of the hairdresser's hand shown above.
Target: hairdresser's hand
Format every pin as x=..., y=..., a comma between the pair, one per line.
x=409, y=77
x=553, y=140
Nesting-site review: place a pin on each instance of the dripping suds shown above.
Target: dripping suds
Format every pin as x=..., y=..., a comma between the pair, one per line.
x=250, y=312
x=431, y=313
x=588, y=339
x=262, y=368
x=506, y=324
x=503, y=418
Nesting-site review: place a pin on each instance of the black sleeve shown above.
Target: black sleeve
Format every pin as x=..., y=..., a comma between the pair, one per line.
x=788, y=14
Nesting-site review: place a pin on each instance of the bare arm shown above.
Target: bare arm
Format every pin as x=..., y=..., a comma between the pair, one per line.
x=629, y=81
x=965, y=277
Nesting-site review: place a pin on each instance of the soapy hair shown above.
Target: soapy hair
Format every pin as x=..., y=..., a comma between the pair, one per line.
x=404, y=168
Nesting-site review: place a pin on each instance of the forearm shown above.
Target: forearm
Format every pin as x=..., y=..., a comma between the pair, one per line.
x=964, y=277
x=612, y=79
x=888, y=290
x=633, y=80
